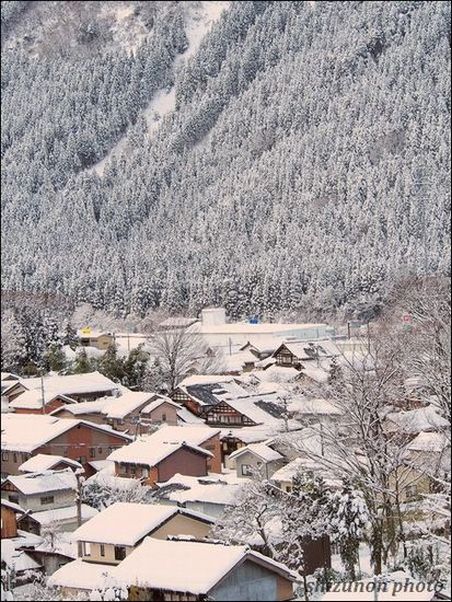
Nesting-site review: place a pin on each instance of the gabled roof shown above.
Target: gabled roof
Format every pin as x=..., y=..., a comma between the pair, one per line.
x=126, y=523
x=151, y=453
x=42, y=462
x=71, y=384
x=156, y=403
x=265, y=453
x=186, y=566
x=310, y=350
x=129, y=401
x=32, y=399
x=429, y=442
x=195, y=435
x=27, y=432
x=56, y=515
x=82, y=575
x=211, y=490
x=43, y=482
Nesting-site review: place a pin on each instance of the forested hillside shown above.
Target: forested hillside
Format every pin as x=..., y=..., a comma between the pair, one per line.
x=303, y=164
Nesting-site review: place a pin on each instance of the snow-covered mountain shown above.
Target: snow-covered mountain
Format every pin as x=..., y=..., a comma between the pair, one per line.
x=268, y=156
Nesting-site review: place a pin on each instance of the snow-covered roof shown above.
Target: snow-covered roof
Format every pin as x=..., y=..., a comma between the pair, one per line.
x=129, y=401
x=16, y=559
x=187, y=566
x=236, y=361
x=313, y=407
x=421, y=419
x=161, y=399
x=81, y=575
x=42, y=462
x=205, y=489
x=287, y=472
x=195, y=435
x=90, y=382
x=32, y=400
x=309, y=350
x=7, y=376
x=213, y=392
x=205, y=379
x=318, y=374
x=124, y=523
x=150, y=452
x=188, y=417
x=35, y=483
x=267, y=454
x=47, y=517
x=264, y=344
x=177, y=322
x=27, y=432
x=429, y=442
x=85, y=407
x=253, y=408
x=12, y=506
x=278, y=374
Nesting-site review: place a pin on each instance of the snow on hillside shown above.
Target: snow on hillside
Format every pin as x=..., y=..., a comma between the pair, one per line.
x=199, y=19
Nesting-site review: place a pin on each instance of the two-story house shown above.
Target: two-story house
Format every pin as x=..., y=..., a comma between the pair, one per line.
x=115, y=532
x=25, y=436
x=48, y=498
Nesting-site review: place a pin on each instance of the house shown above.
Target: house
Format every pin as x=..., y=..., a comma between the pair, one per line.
x=191, y=570
x=293, y=354
x=284, y=477
x=9, y=512
x=79, y=387
x=203, y=437
x=48, y=499
x=210, y=495
x=200, y=392
x=237, y=363
x=42, y=462
x=152, y=461
x=115, y=532
x=252, y=410
x=257, y=459
x=31, y=402
x=184, y=570
x=98, y=339
x=24, y=436
x=161, y=410
x=133, y=411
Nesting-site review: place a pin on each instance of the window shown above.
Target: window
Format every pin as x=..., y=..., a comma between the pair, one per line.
x=163, y=417
x=86, y=548
x=102, y=549
x=92, y=452
x=288, y=488
x=99, y=451
x=82, y=460
x=133, y=470
x=15, y=458
x=247, y=470
x=5, y=456
x=13, y=498
x=120, y=552
x=145, y=472
x=47, y=499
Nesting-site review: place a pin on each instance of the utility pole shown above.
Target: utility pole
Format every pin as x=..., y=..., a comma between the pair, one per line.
x=230, y=346
x=43, y=406
x=79, y=477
